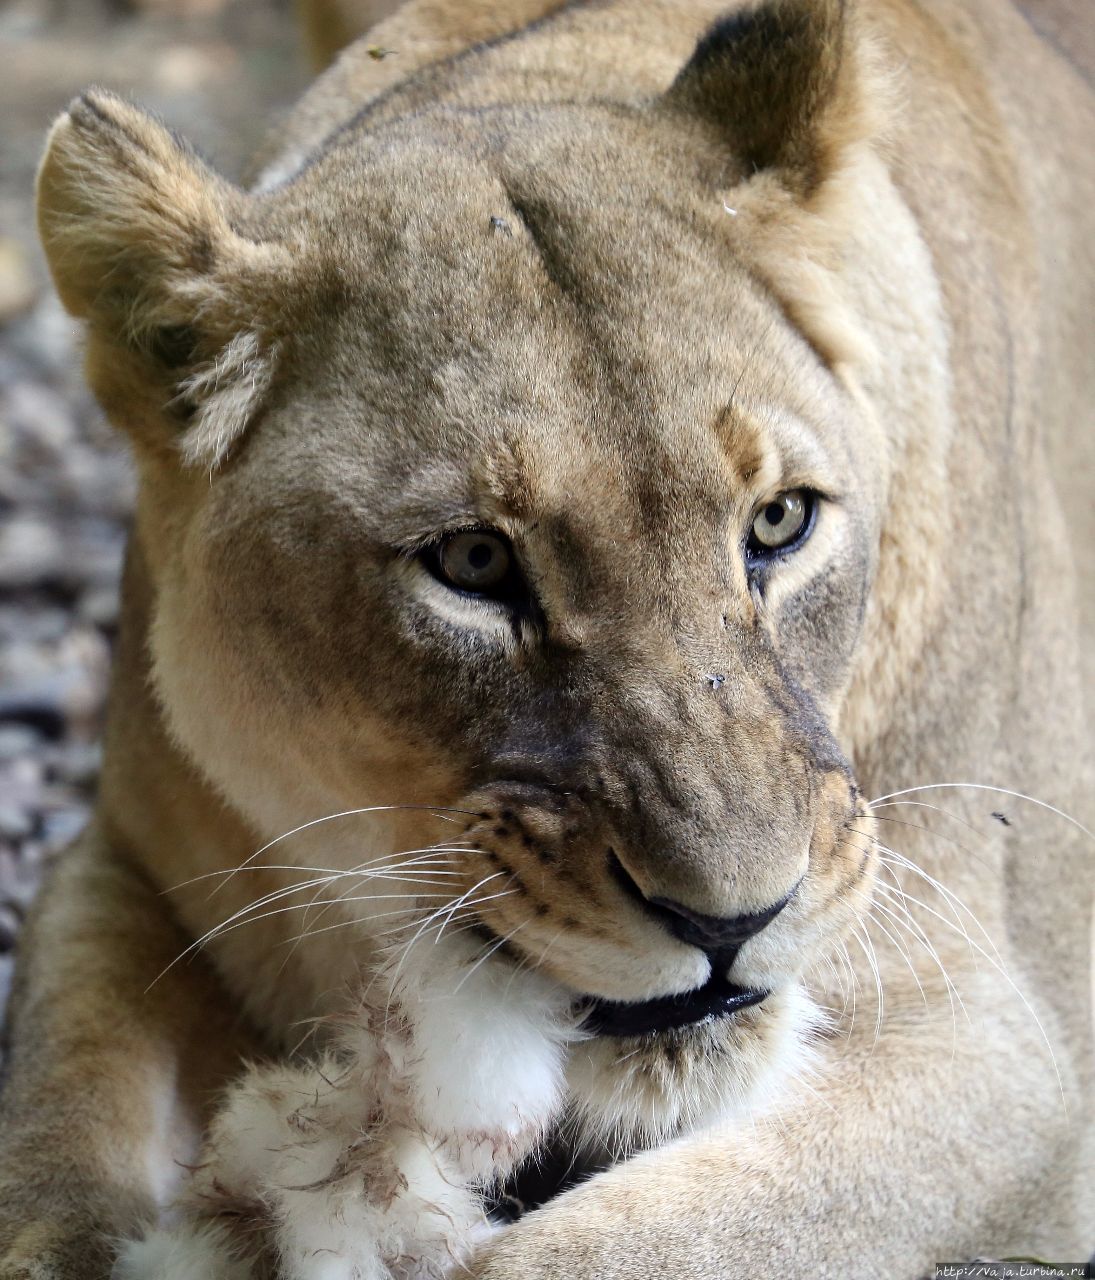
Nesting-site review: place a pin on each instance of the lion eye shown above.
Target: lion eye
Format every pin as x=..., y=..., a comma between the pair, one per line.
x=781, y=523
x=474, y=560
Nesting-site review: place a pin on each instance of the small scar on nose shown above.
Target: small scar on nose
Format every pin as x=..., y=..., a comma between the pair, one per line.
x=500, y=226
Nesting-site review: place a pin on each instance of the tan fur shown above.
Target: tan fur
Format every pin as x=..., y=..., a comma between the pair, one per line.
x=527, y=271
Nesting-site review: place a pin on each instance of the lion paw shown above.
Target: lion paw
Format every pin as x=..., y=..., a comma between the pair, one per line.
x=369, y=1163
x=306, y=1176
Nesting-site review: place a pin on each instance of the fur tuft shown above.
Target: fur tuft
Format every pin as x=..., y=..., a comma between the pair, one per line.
x=226, y=392
x=200, y=1252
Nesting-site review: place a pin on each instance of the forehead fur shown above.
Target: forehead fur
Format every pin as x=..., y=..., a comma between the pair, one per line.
x=457, y=280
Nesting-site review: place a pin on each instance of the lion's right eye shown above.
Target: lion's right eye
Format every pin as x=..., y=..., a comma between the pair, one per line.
x=475, y=560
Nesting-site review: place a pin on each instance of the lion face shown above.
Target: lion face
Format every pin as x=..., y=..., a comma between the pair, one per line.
x=546, y=519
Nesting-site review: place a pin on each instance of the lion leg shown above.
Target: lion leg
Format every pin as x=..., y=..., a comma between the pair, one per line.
x=109, y=1071
x=939, y=1141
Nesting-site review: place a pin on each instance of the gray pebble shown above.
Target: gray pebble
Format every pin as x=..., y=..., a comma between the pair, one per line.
x=15, y=823
x=62, y=826
x=17, y=740
x=100, y=607
x=33, y=622
x=6, y=968
x=31, y=550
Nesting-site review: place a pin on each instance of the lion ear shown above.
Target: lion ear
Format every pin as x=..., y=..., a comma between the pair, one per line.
x=793, y=96
x=142, y=242
x=788, y=86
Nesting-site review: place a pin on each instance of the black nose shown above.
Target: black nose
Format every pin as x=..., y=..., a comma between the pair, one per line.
x=722, y=937
x=720, y=934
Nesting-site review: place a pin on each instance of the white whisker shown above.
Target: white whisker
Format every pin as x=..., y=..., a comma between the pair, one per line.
x=935, y=808
x=1008, y=979
x=981, y=786
x=952, y=899
x=438, y=811
x=500, y=943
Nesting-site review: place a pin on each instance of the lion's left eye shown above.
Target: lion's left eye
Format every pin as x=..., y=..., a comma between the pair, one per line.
x=781, y=523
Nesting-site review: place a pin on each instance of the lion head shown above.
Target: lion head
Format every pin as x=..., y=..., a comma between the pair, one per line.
x=507, y=465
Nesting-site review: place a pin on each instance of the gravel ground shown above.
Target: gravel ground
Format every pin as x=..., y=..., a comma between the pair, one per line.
x=215, y=70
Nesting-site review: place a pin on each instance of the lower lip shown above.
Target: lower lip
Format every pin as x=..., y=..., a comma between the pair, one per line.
x=717, y=998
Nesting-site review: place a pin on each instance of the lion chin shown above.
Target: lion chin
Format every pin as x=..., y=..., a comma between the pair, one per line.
x=630, y=1093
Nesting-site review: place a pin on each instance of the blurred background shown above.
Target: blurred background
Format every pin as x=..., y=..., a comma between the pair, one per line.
x=219, y=72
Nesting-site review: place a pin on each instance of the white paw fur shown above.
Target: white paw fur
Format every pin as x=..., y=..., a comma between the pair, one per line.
x=368, y=1163
x=199, y=1252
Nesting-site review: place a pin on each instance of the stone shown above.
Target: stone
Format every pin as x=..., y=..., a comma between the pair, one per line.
x=18, y=740
x=76, y=763
x=15, y=823
x=6, y=969
x=31, y=550
x=61, y=826
x=100, y=606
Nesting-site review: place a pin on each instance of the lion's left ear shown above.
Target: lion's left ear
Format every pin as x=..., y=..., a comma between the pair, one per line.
x=792, y=94
x=787, y=84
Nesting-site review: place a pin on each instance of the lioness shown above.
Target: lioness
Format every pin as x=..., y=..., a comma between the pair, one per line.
x=597, y=515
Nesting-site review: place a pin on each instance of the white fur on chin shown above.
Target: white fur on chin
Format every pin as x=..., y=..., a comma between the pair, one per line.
x=637, y=1093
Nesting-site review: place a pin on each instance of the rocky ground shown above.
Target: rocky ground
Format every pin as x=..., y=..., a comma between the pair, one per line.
x=215, y=70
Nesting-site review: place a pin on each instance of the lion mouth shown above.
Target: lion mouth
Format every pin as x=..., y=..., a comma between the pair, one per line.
x=717, y=998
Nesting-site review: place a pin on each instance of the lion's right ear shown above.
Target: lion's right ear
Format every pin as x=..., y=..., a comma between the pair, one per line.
x=143, y=243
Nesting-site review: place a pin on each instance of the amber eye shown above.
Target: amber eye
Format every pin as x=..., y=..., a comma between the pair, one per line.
x=781, y=523
x=474, y=560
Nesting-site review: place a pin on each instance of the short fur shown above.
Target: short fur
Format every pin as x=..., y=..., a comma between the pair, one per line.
x=606, y=277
